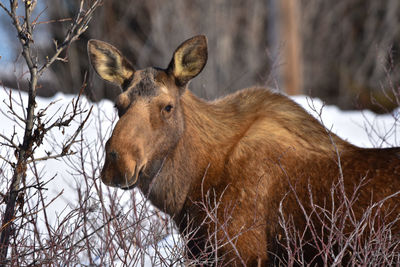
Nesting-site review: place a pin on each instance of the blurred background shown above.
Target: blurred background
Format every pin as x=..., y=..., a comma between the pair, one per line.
x=345, y=52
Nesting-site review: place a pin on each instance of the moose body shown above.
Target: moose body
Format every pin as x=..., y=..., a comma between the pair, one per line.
x=254, y=152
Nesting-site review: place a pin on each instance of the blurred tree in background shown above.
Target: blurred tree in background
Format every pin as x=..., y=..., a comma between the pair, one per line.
x=349, y=49
x=148, y=31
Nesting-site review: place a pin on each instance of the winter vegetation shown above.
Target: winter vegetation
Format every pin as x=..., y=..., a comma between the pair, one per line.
x=55, y=211
x=68, y=217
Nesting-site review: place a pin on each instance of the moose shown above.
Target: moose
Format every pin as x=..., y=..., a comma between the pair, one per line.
x=255, y=151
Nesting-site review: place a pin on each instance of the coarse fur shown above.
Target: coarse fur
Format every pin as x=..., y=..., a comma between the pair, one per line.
x=249, y=150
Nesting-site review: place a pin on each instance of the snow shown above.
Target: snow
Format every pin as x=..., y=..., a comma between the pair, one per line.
x=362, y=128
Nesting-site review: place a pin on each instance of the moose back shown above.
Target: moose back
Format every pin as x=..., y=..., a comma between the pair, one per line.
x=254, y=152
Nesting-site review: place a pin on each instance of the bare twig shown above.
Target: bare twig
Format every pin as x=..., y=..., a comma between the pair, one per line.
x=33, y=135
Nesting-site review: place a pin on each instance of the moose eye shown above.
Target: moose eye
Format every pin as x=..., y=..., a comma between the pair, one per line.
x=168, y=108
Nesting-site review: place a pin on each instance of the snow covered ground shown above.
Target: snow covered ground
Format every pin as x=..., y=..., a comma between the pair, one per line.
x=362, y=128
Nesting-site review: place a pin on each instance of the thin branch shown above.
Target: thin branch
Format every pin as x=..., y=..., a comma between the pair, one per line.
x=10, y=141
x=12, y=164
x=58, y=156
x=78, y=27
x=32, y=135
x=77, y=242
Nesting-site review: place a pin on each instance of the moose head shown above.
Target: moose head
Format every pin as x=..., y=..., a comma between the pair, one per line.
x=150, y=114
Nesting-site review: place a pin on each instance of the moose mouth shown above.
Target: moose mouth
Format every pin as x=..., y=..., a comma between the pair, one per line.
x=136, y=176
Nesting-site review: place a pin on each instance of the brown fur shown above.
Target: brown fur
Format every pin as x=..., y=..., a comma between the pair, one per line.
x=248, y=150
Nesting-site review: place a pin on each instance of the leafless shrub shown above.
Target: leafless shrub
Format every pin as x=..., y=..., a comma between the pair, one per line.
x=336, y=236
x=19, y=217
x=333, y=235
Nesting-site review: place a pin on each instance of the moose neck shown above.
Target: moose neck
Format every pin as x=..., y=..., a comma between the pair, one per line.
x=200, y=152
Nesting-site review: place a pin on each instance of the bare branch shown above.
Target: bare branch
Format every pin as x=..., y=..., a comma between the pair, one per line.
x=6, y=10
x=78, y=27
x=34, y=135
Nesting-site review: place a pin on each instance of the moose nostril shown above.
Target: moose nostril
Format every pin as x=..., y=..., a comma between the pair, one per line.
x=113, y=155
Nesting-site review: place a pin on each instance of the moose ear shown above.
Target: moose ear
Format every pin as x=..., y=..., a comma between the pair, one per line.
x=189, y=60
x=109, y=63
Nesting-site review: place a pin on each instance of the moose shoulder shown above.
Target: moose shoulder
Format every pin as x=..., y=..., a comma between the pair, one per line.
x=251, y=150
